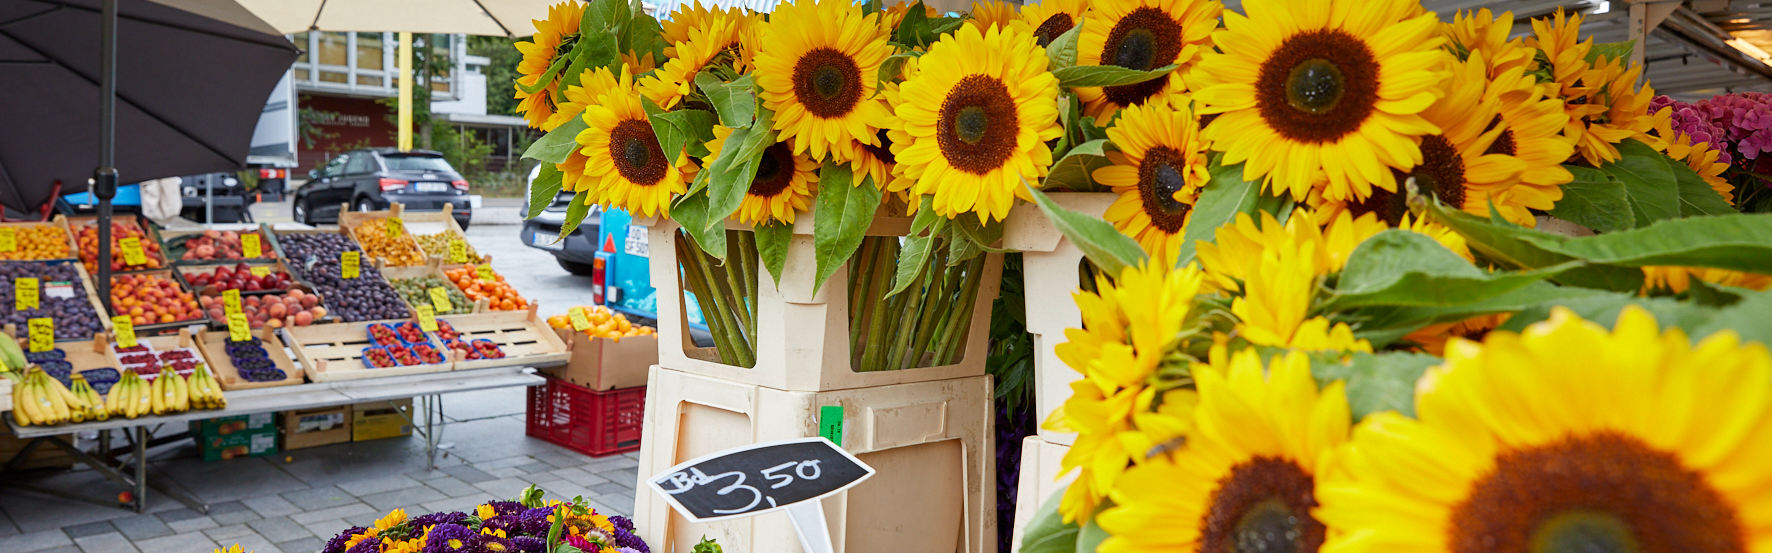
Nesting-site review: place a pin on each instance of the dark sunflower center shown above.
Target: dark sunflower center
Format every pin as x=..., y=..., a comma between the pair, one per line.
x=774, y=172
x=1441, y=172
x=978, y=125
x=1315, y=86
x=1602, y=493
x=827, y=82
x=1053, y=26
x=1263, y=506
x=883, y=152
x=1144, y=40
x=1503, y=144
x=1159, y=178
x=1318, y=86
x=1390, y=206
x=636, y=154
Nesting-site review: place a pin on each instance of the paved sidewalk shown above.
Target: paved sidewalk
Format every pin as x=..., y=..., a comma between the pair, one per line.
x=294, y=501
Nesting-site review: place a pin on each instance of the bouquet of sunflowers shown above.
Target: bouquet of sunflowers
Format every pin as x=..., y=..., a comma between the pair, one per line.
x=528, y=525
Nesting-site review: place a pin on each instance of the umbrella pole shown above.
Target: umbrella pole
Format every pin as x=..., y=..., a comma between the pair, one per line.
x=104, y=185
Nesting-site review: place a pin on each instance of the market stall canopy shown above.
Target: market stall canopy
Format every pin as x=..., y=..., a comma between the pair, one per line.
x=475, y=17
x=189, y=92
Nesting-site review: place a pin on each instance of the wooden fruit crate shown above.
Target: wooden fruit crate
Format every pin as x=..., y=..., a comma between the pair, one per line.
x=151, y=230
x=61, y=222
x=82, y=354
x=277, y=266
x=283, y=253
x=334, y=352
x=185, y=338
x=211, y=343
x=525, y=338
x=431, y=268
x=86, y=282
x=348, y=221
x=152, y=329
x=173, y=245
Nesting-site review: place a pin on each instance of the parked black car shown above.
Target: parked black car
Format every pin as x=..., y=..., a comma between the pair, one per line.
x=370, y=179
x=579, y=250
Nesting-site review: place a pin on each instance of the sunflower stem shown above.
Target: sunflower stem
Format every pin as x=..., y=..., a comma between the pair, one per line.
x=747, y=243
x=860, y=285
x=900, y=355
x=735, y=292
x=728, y=329
x=934, y=307
x=960, y=317
x=877, y=311
x=687, y=261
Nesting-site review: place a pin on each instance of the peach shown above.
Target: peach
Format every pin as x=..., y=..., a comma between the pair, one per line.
x=304, y=318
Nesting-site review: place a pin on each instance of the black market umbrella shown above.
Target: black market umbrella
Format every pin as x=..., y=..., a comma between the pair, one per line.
x=189, y=90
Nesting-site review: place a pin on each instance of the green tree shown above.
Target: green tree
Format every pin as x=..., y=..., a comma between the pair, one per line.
x=500, y=73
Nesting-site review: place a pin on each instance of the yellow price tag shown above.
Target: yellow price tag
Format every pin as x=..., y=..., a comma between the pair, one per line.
x=579, y=321
x=238, y=329
x=231, y=301
x=24, y=293
x=395, y=227
x=261, y=271
x=458, y=251
x=485, y=271
x=249, y=246
x=347, y=264
x=132, y=251
x=440, y=299
x=42, y=334
x=427, y=318
x=125, y=331
x=8, y=240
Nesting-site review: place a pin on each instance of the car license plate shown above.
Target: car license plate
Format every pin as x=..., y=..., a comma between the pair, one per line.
x=546, y=241
x=430, y=186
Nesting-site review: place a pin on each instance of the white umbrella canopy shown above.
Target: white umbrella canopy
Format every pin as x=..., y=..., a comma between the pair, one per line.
x=509, y=18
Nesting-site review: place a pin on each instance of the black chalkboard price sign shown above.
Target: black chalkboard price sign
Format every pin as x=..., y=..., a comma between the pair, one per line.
x=759, y=478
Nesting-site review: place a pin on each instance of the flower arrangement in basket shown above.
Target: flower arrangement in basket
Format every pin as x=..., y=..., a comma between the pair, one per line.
x=527, y=525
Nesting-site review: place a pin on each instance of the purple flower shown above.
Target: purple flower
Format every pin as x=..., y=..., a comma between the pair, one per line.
x=337, y=543
x=368, y=545
x=495, y=544
x=622, y=522
x=420, y=522
x=506, y=507
x=452, y=538
x=511, y=524
x=529, y=544
x=535, y=521
x=627, y=539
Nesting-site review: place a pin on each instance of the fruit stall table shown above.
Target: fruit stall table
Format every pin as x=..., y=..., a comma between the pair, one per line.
x=133, y=473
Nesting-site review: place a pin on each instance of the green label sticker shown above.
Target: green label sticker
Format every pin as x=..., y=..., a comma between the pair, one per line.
x=830, y=423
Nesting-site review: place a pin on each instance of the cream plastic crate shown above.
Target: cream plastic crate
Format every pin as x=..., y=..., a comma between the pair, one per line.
x=803, y=338
x=1049, y=264
x=931, y=443
x=1040, y=462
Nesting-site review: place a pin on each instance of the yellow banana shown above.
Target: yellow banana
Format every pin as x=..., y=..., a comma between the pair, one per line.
x=60, y=404
x=27, y=398
x=157, y=397
x=184, y=391
x=140, y=401
x=111, y=398
x=75, y=403
x=21, y=400
x=47, y=404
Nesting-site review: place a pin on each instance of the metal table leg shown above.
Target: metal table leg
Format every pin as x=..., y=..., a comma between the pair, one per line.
x=141, y=469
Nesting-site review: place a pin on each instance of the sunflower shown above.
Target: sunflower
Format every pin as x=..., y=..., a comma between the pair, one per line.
x=986, y=13
x=1143, y=35
x=689, y=17
x=895, y=13
x=623, y=162
x=591, y=84
x=638, y=64
x=1158, y=173
x=1677, y=280
x=1483, y=31
x=818, y=70
x=977, y=116
x=676, y=80
x=1322, y=90
x=1532, y=131
x=1237, y=248
x=1048, y=19
x=1600, y=96
x=1566, y=437
x=1433, y=338
x=1277, y=295
x=1701, y=157
x=783, y=185
x=554, y=36
x=1116, y=412
x=1245, y=480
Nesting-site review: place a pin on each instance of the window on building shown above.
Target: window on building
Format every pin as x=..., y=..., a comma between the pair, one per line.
x=333, y=49
x=442, y=64
x=369, y=59
x=301, y=61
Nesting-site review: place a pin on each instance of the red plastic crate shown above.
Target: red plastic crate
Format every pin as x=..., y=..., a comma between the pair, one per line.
x=584, y=420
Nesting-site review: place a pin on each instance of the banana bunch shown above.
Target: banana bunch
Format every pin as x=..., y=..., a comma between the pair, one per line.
x=129, y=397
x=170, y=393
x=12, y=358
x=95, y=403
x=205, y=392
x=42, y=400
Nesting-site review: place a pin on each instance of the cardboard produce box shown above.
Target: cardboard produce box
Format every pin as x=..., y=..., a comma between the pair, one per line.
x=603, y=364
x=245, y=443
x=223, y=426
x=316, y=427
x=377, y=419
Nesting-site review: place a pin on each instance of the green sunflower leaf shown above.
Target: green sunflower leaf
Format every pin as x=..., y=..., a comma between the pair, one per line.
x=1738, y=242
x=1604, y=309
x=1696, y=196
x=894, y=65
x=1090, y=536
x=1220, y=202
x=1399, y=267
x=1076, y=170
x=772, y=247
x=1062, y=51
x=689, y=129
x=1385, y=324
x=1595, y=200
x=691, y=212
x=594, y=50
x=1374, y=383
x=543, y=190
x=731, y=174
x=1521, y=248
x=575, y=214
x=1106, y=75
x=914, y=29
x=736, y=101
x=841, y=218
x=1648, y=179
x=1746, y=317
x=979, y=234
x=1047, y=532
x=1109, y=250
x=644, y=36
x=914, y=258
x=1613, y=50
x=602, y=17
x=555, y=146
